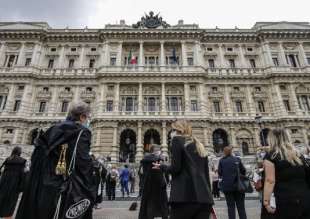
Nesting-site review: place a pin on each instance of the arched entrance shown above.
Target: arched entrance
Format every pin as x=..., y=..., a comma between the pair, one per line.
x=220, y=140
x=127, y=151
x=263, y=135
x=151, y=136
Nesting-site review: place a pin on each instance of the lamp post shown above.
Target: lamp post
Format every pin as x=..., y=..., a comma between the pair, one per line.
x=258, y=120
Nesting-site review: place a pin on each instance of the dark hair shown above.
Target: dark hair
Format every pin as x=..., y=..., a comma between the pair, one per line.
x=17, y=151
x=77, y=110
x=126, y=166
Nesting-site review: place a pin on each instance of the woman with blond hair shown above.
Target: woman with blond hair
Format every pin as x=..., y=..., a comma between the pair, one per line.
x=285, y=176
x=190, y=196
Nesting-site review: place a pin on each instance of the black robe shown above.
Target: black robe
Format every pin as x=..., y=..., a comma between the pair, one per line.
x=42, y=192
x=154, y=200
x=11, y=183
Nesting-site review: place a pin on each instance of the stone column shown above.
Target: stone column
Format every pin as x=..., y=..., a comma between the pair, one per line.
x=164, y=146
x=61, y=57
x=119, y=54
x=280, y=109
x=162, y=54
x=202, y=98
x=15, y=137
x=221, y=56
x=163, y=98
x=139, y=154
x=52, y=108
x=2, y=54
x=227, y=101
x=184, y=53
x=233, y=139
x=197, y=57
x=35, y=56
x=242, y=58
x=104, y=56
x=267, y=54
x=282, y=55
x=294, y=100
x=141, y=54
x=76, y=96
x=26, y=100
x=10, y=99
x=81, y=58
x=140, y=99
x=114, y=154
x=252, y=109
x=116, y=98
x=98, y=136
x=103, y=98
x=21, y=55
x=186, y=97
x=257, y=137
x=41, y=55
x=303, y=57
x=1, y=131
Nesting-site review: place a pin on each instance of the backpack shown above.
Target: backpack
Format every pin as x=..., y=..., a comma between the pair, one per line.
x=113, y=176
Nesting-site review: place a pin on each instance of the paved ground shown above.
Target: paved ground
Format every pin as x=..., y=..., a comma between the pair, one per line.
x=119, y=210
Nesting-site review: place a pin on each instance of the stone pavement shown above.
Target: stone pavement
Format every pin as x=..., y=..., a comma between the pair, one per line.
x=119, y=210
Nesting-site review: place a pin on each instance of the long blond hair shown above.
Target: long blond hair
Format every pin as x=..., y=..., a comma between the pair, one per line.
x=185, y=129
x=280, y=144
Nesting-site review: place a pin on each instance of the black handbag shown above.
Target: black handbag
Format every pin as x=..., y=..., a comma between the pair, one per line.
x=74, y=199
x=243, y=182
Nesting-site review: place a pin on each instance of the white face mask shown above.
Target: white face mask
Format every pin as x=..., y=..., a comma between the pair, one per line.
x=173, y=134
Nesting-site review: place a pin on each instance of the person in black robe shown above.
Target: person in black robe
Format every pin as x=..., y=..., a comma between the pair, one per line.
x=41, y=196
x=154, y=200
x=11, y=182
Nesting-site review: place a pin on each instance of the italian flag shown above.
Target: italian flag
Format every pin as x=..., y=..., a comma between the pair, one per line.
x=132, y=59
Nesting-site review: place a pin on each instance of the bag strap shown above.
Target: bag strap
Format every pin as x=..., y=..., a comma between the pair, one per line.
x=73, y=158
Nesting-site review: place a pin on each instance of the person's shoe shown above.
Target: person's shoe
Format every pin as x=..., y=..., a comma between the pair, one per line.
x=97, y=207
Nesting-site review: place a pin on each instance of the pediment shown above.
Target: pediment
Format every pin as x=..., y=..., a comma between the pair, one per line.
x=282, y=25
x=22, y=26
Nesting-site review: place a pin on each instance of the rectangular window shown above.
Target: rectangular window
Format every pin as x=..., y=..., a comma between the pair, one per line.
x=216, y=105
x=64, y=106
x=21, y=87
x=308, y=60
x=211, y=63
x=287, y=105
x=252, y=63
x=28, y=62
x=239, y=107
x=292, y=60
x=42, y=107
x=232, y=63
x=53, y=49
x=51, y=63
x=109, y=105
x=275, y=61
x=261, y=106
x=71, y=63
x=17, y=105
x=2, y=102
x=113, y=61
x=73, y=49
x=92, y=63
x=11, y=61
x=173, y=104
x=93, y=49
x=190, y=61
x=194, y=106
x=151, y=104
x=129, y=104
x=305, y=103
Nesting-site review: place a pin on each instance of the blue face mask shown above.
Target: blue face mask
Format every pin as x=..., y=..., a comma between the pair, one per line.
x=86, y=124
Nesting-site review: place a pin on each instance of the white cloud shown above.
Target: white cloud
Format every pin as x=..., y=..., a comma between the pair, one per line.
x=206, y=13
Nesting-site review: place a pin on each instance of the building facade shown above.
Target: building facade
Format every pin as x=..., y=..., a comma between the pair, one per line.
x=232, y=84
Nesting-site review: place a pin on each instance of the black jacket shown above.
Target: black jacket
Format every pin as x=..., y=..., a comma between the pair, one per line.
x=228, y=171
x=154, y=200
x=40, y=196
x=190, y=174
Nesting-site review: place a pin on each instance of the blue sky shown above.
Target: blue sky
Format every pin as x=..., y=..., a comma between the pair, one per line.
x=206, y=13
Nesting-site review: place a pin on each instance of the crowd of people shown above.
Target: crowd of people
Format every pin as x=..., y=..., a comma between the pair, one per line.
x=66, y=180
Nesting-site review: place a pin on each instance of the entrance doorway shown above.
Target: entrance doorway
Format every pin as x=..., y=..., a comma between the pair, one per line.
x=127, y=146
x=151, y=137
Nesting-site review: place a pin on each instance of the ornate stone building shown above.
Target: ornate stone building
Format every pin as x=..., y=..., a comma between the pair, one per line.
x=139, y=78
